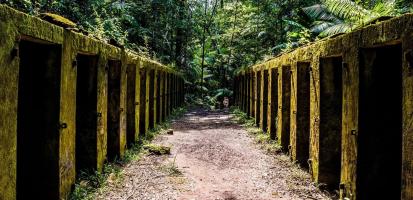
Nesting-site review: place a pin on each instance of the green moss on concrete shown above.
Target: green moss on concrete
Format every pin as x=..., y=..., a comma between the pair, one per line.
x=58, y=20
x=394, y=31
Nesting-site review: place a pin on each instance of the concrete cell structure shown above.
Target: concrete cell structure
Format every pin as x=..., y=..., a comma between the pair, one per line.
x=300, y=112
x=344, y=109
x=284, y=118
x=68, y=104
x=133, y=101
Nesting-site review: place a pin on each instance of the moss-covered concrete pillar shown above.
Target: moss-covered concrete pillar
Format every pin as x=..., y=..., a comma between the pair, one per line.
x=147, y=96
x=151, y=96
x=280, y=100
x=9, y=79
x=293, y=112
x=123, y=104
x=407, y=158
x=137, y=99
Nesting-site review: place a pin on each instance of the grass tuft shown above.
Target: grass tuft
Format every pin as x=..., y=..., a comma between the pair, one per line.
x=171, y=169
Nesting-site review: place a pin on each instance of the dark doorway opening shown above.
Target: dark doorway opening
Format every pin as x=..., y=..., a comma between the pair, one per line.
x=142, y=113
x=274, y=104
x=38, y=121
x=158, y=97
x=114, y=110
x=303, y=113
x=265, y=102
x=331, y=90
x=258, y=99
x=242, y=93
x=169, y=94
x=151, y=99
x=286, y=106
x=247, y=94
x=86, y=114
x=165, y=97
x=380, y=124
x=131, y=103
x=253, y=90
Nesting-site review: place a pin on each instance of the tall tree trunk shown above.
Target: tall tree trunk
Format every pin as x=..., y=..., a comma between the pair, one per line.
x=180, y=34
x=224, y=79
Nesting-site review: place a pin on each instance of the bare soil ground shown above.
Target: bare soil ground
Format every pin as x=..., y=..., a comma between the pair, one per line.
x=212, y=158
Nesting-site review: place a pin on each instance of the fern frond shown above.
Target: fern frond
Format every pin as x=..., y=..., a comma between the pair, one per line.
x=336, y=29
x=346, y=9
x=320, y=26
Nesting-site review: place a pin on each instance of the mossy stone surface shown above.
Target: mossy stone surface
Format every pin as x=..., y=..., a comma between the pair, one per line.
x=57, y=20
x=157, y=149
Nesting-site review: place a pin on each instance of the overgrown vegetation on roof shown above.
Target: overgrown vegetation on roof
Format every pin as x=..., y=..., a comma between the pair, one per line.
x=211, y=40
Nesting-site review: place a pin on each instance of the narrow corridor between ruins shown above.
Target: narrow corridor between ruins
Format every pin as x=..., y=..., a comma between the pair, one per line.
x=212, y=158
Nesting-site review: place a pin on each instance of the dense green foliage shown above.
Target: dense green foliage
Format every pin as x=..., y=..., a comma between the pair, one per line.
x=209, y=40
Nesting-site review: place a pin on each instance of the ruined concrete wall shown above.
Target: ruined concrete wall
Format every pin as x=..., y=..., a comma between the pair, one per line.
x=395, y=31
x=15, y=27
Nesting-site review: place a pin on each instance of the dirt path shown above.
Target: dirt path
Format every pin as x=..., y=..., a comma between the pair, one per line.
x=218, y=160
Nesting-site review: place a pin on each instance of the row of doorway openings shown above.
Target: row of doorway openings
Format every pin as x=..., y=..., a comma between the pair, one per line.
x=379, y=142
x=38, y=125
